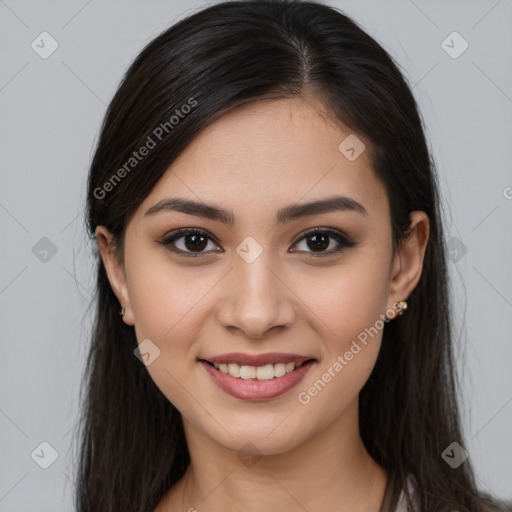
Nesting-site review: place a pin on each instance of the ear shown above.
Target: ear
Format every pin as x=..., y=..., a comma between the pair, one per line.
x=114, y=267
x=408, y=261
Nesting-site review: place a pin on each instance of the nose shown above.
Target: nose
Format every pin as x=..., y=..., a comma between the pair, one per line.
x=255, y=299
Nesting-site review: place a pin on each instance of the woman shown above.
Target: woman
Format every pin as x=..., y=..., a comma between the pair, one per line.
x=269, y=228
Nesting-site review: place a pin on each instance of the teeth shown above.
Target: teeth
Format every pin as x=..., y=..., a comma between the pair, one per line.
x=248, y=372
x=266, y=372
x=233, y=369
x=279, y=369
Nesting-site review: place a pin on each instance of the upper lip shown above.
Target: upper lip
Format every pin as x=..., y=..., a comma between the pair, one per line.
x=257, y=359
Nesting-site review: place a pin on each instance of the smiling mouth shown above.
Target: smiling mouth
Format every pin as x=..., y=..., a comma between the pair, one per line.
x=266, y=372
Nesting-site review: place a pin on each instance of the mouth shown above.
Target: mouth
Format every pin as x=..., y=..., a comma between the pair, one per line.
x=257, y=381
x=261, y=373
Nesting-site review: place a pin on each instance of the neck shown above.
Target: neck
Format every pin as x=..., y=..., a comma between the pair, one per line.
x=333, y=470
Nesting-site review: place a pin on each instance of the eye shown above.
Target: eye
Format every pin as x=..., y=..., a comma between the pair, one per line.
x=319, y=240
x=195, y=241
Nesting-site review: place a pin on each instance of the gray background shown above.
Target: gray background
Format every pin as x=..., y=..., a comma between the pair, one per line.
x=51, y=110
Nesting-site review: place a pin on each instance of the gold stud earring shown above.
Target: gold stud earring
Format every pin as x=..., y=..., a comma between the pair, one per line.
x=402, y=306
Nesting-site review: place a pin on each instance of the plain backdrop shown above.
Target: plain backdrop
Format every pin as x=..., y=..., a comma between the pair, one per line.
x=51, y=109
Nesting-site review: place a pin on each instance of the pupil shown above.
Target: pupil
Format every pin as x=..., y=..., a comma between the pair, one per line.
x=198, y=242
x=319, y=242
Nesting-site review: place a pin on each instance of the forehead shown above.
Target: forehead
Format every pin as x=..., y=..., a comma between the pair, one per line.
x=272, y=153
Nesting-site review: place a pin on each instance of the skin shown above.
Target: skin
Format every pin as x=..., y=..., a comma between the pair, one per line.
x=255, y=160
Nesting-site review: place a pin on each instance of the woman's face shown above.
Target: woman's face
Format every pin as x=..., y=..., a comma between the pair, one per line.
x=254, y=282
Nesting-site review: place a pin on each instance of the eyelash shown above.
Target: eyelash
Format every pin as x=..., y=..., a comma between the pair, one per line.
x=342, y=239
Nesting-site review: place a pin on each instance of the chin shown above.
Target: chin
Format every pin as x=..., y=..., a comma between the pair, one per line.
x=276, y=436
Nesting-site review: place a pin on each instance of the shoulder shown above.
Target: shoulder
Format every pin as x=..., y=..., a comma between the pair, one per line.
x=402, y=504
x=489, y=504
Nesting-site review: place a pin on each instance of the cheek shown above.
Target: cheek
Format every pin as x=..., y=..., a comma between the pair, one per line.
x=350, y=307
x=350, y=356
x=170, y=307
x=346, y=298
x=165, y=298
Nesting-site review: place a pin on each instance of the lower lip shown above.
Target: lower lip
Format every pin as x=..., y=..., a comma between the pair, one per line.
x=253, y=389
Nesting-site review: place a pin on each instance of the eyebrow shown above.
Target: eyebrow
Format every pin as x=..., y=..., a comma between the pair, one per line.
x=286, y=214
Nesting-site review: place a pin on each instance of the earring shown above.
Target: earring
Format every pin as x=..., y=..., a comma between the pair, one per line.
x=121, y=312
x=402, y=306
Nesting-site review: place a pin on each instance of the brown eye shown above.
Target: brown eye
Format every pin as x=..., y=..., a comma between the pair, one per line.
x=195, y=242
x=190, y=242
x=319, y=240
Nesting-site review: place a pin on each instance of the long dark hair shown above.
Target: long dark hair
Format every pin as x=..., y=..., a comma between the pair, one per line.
x=132, y=444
